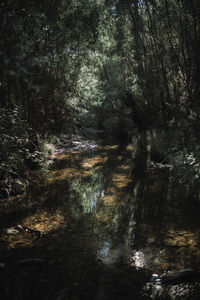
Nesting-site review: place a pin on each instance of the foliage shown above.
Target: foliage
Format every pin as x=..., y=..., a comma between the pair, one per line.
x=107, y=64
x=14, y=149
x=185, y=163
x=18, y=153
x=156, y=42
x=41, y=54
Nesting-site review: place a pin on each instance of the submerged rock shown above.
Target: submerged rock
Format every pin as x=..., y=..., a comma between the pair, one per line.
x=19, y=187
x=183, y=284
x=186, y=275
x=177, y=277
x=11, y=231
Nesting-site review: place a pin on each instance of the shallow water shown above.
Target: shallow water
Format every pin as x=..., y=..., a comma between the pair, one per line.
x=104, y=232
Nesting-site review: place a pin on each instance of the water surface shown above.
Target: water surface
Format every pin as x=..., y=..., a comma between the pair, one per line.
x=104, y=231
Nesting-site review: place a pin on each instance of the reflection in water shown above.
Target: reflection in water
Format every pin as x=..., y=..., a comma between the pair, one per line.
x=102, y=193
x=87, y=191
x=94, y=217
x=93, y=204
x=103, y=253
x=109, y=254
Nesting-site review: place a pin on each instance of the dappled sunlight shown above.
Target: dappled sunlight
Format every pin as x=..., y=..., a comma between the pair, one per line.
x=43, y=222
x=98, y=186
x=85, y=173
x=97, y=167
x=151, y=258
x=109, y=199
x=119, y=157
x=181, y=238
x=87, y=165
x=125, y=167
x=109, y=147
x=114, y=199
x=9, y=202
x=166, y=250
x=46, y=221
x=130, y=147
x=121, y=180
x=102, y=218
x=60, y=175
x=95, y=160
x=85, y=206
x=19, y=241
x=67, y=155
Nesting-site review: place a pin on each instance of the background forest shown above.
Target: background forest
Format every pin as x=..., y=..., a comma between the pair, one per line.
x=120, y=66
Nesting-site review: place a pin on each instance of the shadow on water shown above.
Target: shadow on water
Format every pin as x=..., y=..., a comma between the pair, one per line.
x=104, y=229
x=166, y=226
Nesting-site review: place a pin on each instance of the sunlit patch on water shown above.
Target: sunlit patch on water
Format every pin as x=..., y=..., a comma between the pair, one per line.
x=109, y=147
x=172, y=250
x=150, y=258
x=60, y=175
x=121, y=180
x=45, y=222
x=138, y=259
x=109, y=199
x=95, y=160
x=125, y=167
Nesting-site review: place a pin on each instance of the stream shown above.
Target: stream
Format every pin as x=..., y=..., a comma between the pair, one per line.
x=92, y=230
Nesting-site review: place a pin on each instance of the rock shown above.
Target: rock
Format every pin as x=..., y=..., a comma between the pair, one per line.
x=33, y=232
x=19, y=187
x=10, y=230
x=170, y=242
x=186, y=275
